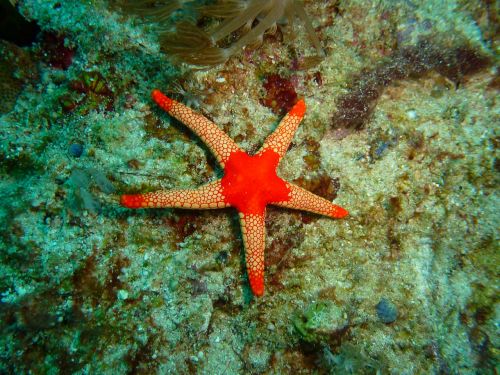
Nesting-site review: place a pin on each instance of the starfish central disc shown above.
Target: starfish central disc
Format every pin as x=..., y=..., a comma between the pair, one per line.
x=251, y=182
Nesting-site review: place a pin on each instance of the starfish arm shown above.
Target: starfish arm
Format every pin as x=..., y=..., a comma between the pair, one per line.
x=302, y=199
x=281, y=138
x=253, y=230
x=218, y=141
x=206, y=196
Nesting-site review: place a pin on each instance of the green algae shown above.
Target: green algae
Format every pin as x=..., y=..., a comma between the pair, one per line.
x=319, y=320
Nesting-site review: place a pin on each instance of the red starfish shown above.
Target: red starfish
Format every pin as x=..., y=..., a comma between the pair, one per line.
x=249, y=184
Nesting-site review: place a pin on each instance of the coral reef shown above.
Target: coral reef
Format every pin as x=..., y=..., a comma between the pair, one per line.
x=401, y=129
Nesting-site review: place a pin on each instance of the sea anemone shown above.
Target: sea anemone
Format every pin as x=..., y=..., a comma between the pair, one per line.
x=189, y=43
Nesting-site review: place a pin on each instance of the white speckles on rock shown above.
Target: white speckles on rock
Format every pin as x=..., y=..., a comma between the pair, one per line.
x=122, y=294
x=412, y=114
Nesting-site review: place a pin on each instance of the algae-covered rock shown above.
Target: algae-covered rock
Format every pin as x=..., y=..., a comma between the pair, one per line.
x=319, y=320
x=412, y=90
x=16, y=69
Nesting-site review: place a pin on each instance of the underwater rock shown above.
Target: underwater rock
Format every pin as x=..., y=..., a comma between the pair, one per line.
x=16, y=69
x=320, y=320
x=75, y=149
x=387, y=312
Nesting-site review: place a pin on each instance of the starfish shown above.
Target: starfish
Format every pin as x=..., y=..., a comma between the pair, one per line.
x=249, y=184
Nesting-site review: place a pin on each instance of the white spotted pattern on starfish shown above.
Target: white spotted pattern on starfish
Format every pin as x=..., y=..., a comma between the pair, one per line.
x=218, y=141
x=254, y=239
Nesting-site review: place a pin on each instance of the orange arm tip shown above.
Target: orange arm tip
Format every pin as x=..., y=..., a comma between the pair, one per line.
x=131, y=201
x=162, y=100
x=339, y=212
x=298, y=109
